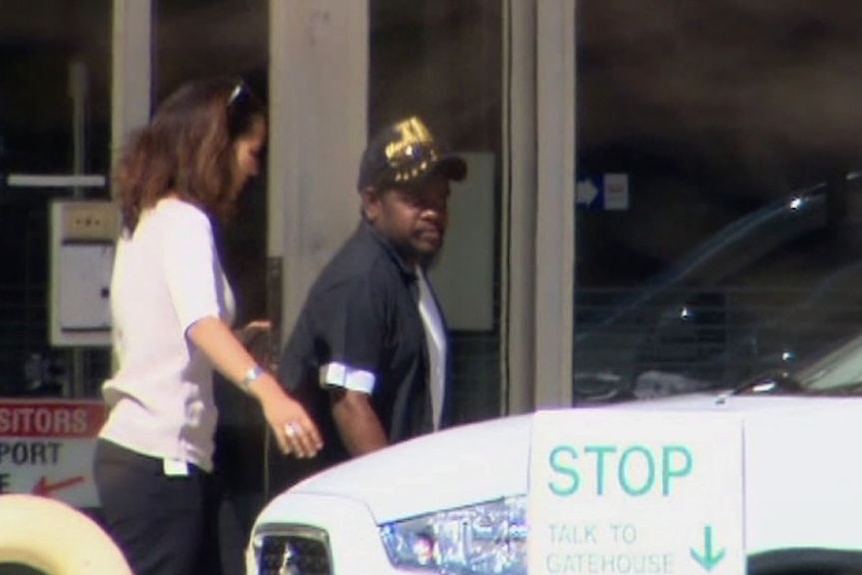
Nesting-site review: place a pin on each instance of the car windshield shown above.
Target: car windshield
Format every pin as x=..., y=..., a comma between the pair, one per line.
x=722, y=319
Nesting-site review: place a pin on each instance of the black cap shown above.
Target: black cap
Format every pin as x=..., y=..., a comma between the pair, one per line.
x=405, y=152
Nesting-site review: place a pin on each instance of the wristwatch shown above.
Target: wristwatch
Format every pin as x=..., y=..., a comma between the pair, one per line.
x=252, y=375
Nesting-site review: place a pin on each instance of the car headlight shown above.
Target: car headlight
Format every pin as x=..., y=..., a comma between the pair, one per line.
x=489, y=537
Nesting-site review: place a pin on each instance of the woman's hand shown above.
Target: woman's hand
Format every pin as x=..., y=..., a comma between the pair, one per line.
x=293, y=429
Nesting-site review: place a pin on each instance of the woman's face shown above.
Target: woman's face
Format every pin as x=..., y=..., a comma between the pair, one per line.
x=248, y=148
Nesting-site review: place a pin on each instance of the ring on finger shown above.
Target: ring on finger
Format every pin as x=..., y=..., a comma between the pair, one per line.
x=292, y=430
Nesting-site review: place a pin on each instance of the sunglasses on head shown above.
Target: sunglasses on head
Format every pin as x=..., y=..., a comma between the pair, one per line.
x=239, y=108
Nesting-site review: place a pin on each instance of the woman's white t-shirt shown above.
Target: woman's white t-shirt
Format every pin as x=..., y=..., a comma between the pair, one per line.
x=167, y=275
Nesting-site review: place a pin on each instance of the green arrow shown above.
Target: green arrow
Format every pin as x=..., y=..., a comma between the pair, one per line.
x=707, y=559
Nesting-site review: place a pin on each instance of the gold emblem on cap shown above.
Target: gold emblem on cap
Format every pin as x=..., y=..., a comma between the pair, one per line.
x=414, y=142
x=413, y=133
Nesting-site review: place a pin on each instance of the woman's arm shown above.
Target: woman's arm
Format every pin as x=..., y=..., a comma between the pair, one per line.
x=256, y=337
x=293, y=429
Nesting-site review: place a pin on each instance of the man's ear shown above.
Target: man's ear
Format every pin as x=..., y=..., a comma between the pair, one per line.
x=370, y=203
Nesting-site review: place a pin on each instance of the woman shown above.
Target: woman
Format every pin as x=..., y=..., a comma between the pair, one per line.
x=171, y=307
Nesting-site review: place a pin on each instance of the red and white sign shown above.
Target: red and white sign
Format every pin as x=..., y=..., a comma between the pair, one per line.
x=47, y=448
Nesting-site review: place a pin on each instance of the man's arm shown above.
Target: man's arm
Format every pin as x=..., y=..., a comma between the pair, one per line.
x=357, y=423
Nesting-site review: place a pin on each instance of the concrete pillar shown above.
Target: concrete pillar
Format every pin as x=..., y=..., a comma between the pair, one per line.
x=518, y=265
x=555, y=216
x=131, y=65
x=318, y=102
x=539, y=203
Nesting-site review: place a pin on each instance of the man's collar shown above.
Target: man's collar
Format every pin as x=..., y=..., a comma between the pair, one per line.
x=384, y=242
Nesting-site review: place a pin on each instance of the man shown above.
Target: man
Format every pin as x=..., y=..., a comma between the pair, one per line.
x=368, y=354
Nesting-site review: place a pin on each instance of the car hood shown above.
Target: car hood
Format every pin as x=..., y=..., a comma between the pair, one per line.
x=463, y=464
x=800, y=462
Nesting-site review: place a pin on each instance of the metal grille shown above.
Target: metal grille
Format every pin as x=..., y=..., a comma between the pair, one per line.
x=29, y=365
x=294, y=551
x=23, y=338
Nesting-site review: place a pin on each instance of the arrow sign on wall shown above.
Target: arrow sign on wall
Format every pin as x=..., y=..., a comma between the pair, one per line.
x=44, y=488
x=586, y=191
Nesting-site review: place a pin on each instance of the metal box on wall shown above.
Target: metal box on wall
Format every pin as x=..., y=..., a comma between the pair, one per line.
x=82, y=243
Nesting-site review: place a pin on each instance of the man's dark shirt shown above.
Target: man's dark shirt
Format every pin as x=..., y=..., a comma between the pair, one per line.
x=362, y=312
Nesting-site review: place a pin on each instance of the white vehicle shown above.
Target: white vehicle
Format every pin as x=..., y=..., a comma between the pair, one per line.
x=456, y=502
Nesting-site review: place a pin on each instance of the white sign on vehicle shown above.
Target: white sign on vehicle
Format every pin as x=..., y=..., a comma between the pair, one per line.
x=630, y=492
x=47, y=448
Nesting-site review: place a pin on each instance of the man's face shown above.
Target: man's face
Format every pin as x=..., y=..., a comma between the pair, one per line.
x=413, y=218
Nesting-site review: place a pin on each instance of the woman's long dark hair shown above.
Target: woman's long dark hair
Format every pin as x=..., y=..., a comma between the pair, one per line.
x=187, y=149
